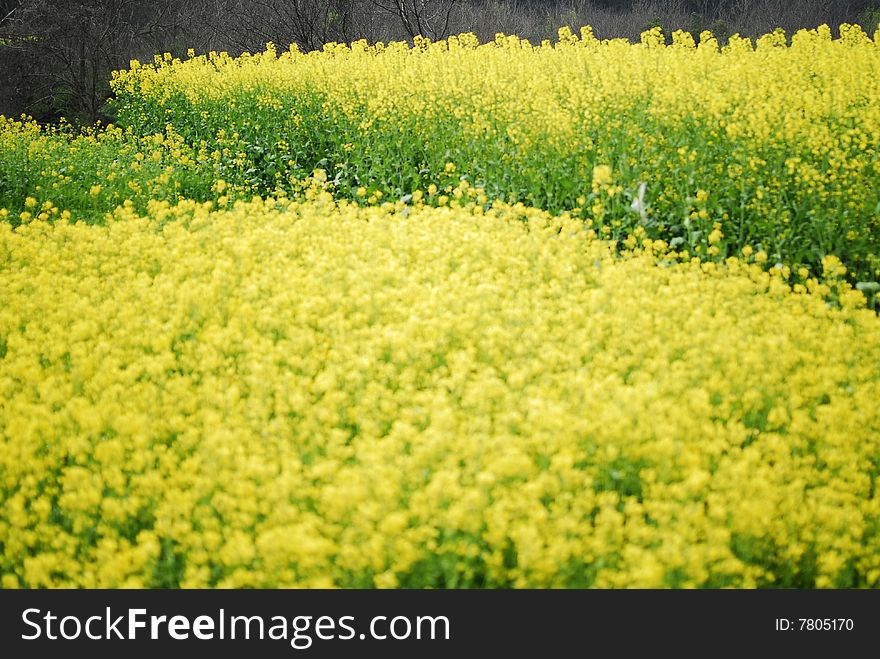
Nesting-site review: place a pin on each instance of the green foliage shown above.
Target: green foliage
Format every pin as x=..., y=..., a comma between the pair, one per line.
x=90, y=172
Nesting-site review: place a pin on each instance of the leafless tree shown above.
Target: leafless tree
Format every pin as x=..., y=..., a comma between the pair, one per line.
x=250, y=24
x=68, y=49
x=426, y=18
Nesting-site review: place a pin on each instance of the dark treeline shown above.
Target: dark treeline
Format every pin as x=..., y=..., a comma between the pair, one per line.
x=56, y=55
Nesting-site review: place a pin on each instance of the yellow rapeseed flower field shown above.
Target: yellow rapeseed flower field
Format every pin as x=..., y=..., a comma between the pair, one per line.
x=775, y=142
x=578, y=314
x=315, y=393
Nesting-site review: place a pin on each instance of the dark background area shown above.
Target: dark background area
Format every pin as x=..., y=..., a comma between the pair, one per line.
x=56, y=55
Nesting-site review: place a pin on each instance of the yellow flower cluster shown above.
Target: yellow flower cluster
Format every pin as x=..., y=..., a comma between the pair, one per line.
x=314, y=393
